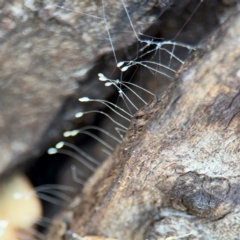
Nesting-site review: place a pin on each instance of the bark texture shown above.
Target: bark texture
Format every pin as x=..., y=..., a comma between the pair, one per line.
x=177, y=171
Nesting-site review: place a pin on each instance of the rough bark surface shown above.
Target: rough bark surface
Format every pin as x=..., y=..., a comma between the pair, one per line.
x=177, y=171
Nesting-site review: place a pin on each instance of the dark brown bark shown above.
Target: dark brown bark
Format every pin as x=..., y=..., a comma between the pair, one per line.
x=177, y=171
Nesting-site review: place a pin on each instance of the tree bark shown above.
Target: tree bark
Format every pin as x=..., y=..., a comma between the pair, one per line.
x=177, y=171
